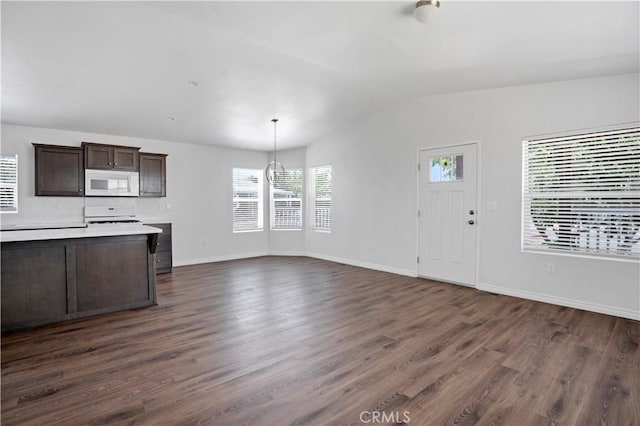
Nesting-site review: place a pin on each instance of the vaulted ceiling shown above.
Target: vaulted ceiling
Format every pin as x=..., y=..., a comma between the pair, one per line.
x=123, y=67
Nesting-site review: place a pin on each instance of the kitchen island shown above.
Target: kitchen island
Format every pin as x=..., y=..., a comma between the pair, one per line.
x=52, y=275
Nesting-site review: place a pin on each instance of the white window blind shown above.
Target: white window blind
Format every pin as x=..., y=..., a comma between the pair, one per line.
x=320, y=192
x=247, y=200
x=9, y=184
x=581, y=194
x=286, y=201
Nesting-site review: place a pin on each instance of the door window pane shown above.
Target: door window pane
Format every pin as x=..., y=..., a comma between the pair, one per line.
x=446, y=168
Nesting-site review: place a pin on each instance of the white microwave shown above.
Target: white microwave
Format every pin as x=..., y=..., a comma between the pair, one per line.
x=111, y=183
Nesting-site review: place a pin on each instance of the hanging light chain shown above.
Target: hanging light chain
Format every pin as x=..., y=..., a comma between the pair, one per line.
x=274, y=170
x=275, y=160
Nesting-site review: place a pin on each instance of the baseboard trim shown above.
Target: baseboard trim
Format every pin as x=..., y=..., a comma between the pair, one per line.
x=562, y=301
x=351, y=262
x=367, y=265
x=213, y=259
x=507, y=291
x=287, y=253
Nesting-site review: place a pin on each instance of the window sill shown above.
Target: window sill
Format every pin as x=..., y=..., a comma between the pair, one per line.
x=321, y=231
x=610, y=257
x=245, y=231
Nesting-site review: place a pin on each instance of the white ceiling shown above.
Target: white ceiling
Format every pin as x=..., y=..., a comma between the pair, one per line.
x=121, y=68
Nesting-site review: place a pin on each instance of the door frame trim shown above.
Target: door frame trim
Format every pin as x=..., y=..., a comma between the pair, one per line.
x=478, y=144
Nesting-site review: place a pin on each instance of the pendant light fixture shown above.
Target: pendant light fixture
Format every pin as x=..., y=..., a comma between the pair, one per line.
x=274, y=171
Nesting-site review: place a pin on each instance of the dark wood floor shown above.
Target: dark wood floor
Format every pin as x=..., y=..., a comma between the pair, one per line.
x=274, y=341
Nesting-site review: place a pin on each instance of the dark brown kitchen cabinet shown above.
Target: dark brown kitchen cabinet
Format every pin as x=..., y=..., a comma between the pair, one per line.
x=110, y=157
x=123, y=285
x=153, y=175
x=34, y=283
x=48, y=281
x=59, y=170
x=164, y=257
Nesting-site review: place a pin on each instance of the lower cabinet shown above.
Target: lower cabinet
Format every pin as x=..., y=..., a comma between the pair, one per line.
x=54, y=280
x=164, y=257
x=34, y=284
x=123, y=285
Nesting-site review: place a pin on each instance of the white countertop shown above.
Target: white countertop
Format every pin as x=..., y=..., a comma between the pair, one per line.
x=153, y=220
x=110, y=230
x=40, y=225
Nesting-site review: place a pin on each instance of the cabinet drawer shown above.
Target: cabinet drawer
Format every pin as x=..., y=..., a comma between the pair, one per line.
x=163, y=248
x=163, y=261
x=164, y=243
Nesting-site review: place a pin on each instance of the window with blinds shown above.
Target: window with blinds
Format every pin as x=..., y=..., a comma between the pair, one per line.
x=581, y=194
x=320, y=194
x=247, y=200
x=9, y=184
x=286, y=201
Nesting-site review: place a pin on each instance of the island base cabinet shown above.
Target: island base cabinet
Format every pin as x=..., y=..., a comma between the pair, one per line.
x=34, y=284
x=50, y=281
x=124, y=285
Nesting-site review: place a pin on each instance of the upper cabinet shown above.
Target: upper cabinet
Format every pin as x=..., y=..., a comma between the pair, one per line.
x=59, y=170
x=153, y=175
x=109, y=157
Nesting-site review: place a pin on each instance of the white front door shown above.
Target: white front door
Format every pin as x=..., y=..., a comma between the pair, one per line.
x=448, y=214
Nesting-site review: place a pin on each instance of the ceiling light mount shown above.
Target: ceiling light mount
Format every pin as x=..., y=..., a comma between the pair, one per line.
x=274, y=171
x=425, y=9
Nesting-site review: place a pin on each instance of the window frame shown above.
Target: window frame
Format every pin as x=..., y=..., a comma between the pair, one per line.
x=272, y=202
x=259, y=201
x=574, y=200
x=313, y=199
x=14, y=186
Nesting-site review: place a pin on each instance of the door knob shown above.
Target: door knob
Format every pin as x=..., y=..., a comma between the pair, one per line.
x=471, y=222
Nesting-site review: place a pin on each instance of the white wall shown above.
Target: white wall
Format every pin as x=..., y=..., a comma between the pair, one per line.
x=374, y=196
x=198, y=201
x=375, y=189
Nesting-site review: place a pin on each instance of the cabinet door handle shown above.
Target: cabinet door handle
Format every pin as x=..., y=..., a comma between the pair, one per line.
x=115, y=164
x=158, y=260
x=109, y=163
